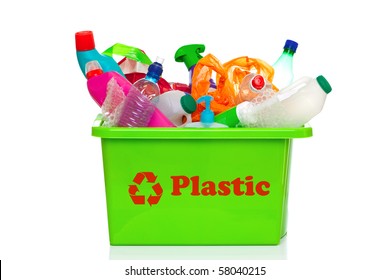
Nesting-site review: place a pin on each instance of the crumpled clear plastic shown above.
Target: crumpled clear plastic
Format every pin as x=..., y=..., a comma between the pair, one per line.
x=115, y=96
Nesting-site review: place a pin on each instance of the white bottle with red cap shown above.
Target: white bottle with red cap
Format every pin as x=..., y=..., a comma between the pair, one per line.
x=254, y=86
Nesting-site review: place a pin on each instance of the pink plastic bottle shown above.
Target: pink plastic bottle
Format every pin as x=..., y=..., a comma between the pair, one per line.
x=138, y=111
x=97, y=81
x=141, y=113
x=158, y=119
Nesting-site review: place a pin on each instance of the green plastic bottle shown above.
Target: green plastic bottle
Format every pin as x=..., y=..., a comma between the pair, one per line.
x=283, y=66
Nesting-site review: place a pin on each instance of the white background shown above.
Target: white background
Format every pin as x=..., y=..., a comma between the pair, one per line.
x=52, y=202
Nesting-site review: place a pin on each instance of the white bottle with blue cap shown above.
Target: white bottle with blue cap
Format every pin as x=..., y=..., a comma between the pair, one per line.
x=206, y=116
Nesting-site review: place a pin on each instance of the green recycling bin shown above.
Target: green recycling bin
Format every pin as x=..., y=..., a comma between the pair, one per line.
x=196, y=186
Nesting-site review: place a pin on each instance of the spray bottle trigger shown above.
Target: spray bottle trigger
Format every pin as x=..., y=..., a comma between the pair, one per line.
x=189, y=54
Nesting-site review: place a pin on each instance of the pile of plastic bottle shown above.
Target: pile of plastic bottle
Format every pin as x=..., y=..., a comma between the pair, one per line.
x=247, y=92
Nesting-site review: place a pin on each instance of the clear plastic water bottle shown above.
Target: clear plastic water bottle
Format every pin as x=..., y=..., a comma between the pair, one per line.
x=148, y=85
x=283, y=66
x=126, y=106
x=254, y=86
x=293, y=106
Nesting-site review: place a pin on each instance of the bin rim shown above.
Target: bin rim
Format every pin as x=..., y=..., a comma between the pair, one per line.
x=197, y=133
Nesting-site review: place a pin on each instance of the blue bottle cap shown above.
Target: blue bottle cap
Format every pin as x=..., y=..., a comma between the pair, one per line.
x=291, y=45
x=155, y=69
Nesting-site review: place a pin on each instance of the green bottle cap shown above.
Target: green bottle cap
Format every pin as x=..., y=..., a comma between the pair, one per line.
x=324, y=84
x=189, y=54
x=188, y=103
x=228, y=117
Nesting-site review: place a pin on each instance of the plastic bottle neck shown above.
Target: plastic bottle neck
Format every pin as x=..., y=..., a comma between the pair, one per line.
x=93, y=51
x=94, y=73
x=152, y=79
x=285, y=58
x=154, y=71
x=288, y=52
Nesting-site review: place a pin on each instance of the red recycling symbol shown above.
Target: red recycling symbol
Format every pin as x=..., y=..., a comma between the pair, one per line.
x=138, y=179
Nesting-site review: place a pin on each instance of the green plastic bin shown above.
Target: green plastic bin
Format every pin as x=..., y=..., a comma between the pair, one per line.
x=191, y=186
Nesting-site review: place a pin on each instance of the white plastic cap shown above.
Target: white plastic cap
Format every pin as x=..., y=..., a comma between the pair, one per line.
x=160, y=60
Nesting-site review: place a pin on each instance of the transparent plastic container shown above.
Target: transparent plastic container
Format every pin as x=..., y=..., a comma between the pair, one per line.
x=148, y=86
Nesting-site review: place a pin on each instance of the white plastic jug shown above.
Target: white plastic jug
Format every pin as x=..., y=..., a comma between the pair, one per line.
x=293, y=106
x=177, y=106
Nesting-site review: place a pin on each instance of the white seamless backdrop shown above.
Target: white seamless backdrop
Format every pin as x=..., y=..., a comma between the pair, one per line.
x=52, y=201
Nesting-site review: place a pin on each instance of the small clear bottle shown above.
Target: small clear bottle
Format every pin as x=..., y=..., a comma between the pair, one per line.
x=148, y=86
